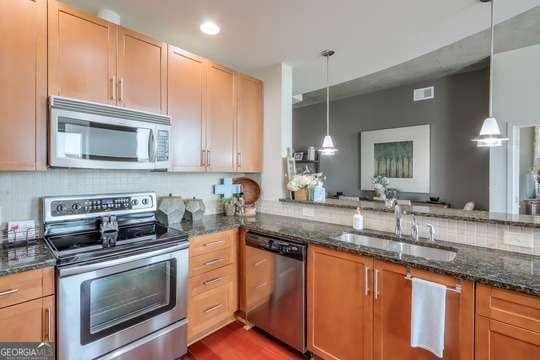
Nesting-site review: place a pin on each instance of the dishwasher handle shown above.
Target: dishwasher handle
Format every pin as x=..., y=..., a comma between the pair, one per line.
x=276, y=245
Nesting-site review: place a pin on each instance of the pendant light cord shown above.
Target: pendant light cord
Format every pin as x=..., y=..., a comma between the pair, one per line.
x=491, y=60
x=327, y=97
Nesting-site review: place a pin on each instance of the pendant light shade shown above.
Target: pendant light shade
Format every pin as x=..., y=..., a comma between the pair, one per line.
x=327, y=147
x=490, y=133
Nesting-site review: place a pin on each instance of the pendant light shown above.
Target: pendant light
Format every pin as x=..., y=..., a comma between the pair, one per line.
x=490, y=133
x=327, y=144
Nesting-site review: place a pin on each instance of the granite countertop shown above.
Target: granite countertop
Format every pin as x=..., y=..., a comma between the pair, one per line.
x=503, y=269
x=26, y=258
x=529, y=221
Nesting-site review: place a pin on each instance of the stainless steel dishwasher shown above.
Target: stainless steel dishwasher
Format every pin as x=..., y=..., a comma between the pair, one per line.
x=276, y=289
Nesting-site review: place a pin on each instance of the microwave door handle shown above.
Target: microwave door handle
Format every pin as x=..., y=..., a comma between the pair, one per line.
x=152, y=146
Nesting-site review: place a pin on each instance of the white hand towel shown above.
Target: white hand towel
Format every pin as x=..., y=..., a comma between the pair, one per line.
x=428, y=310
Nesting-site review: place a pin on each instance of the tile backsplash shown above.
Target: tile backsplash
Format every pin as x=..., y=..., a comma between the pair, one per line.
x=20, y=192
x=464, y=232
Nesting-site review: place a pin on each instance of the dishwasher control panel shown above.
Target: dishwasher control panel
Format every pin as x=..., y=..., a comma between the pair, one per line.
x=278, y=246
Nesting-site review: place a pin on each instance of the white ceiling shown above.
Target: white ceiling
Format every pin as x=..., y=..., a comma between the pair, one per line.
x=368, y=35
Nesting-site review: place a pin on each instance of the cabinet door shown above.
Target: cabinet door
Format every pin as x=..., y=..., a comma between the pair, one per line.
x=23, y=93
x=186, y=94
x=142, y=72
x=340, y=306
x=82, y=55
x=220, y=112
x=249, y=124
x=499, y=341
x=22, y=322
x=392, y=315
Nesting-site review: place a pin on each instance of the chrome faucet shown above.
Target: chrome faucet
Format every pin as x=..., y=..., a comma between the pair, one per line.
x=397, y=213
x=414, y=229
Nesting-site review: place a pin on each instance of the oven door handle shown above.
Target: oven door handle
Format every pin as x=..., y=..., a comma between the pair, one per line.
x=81, y=268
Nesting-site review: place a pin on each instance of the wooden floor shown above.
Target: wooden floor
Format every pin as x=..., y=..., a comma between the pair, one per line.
x=234, y=343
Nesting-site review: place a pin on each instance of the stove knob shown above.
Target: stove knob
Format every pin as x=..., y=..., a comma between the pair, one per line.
x=60, y=207
x=145, y=201
x=135, y=202
x=76, y=206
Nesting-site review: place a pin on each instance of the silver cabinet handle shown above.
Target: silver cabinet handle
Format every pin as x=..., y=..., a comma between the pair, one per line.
x=214, y=261
x=376, y=291
x=366, y=280
x=259, y=263
x=207, y=157
x=215, y=307
x=238, y=159
x=8, y=292
x=121, y=89
x=113, y=87
x=203, y=157
x=214, y=243
x=213, y=281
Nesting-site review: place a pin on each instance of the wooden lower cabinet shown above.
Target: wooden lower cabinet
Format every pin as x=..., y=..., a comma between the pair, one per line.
x=507, y=325
x=392, y=315
x=213, y=283
x=27, y=313
x=359, y=308
x=340, y=304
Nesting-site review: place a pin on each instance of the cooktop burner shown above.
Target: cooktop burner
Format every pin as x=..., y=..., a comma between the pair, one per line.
x=83, y=246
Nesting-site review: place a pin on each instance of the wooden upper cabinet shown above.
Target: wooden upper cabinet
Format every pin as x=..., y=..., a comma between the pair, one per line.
x=82, y=55
x=220, y=118
x=392, y=315
x=23, y=93
x=249, y=124
x=142, y=72
x=186, y=101
x=340, y=305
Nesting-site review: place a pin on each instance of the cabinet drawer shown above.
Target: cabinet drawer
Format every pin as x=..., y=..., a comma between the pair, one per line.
x=209, y=309
x=508, y=307
x=211, y=242
x=213, y=260
x=210, y=280
x=23, y=286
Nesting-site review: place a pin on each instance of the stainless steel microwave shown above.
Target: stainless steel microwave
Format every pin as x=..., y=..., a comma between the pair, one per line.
x=84, y=134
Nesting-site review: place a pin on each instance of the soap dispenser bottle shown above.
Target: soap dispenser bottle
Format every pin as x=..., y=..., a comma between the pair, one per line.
x=358, y=220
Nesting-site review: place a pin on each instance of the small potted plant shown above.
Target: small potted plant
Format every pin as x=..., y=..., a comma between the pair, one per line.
x=229, y=205
x=380, y=183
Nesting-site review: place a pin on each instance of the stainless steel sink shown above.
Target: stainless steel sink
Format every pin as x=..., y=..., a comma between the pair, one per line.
x=399, y=247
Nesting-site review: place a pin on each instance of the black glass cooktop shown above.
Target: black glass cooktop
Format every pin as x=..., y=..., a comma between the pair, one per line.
x=81, y=246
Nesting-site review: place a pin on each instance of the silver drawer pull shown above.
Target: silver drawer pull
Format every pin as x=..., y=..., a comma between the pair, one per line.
x=213, y=281
x=7, y=292
x=214, y=243
x=260, y=262
x=213, y=308
x=215, y=261
x=261, y=285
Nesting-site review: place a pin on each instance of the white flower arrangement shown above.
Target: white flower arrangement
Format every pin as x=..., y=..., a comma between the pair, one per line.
x=301, y=181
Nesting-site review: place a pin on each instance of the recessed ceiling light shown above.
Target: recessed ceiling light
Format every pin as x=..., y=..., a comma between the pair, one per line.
x=209, y=28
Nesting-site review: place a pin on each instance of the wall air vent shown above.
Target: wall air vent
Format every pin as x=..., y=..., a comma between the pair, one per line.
x=424, y=93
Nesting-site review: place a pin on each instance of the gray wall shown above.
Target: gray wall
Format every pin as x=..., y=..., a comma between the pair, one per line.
x=459, y=171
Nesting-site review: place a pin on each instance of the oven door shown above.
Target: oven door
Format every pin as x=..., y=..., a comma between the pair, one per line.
x=107, y=305
x=82, y=140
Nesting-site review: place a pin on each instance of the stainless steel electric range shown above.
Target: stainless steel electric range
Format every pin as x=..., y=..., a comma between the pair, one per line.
x=121, y=278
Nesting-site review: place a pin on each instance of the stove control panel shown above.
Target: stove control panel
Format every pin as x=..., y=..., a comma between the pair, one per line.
x=84, y=207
